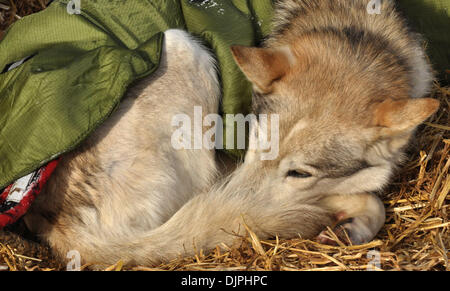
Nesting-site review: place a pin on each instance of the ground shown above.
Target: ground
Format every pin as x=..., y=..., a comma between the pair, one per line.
x=415, y=236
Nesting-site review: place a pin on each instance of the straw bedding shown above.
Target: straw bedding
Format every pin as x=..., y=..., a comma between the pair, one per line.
x=415, y=236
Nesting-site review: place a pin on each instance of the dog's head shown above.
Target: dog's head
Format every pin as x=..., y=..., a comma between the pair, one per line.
x=341, y=129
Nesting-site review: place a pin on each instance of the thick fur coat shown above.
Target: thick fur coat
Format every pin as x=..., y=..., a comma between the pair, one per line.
x=344, y=85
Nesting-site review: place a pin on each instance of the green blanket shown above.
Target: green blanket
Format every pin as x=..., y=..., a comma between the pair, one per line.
x=83, y=64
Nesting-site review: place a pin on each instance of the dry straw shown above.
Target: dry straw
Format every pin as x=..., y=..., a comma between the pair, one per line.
x=415, y=236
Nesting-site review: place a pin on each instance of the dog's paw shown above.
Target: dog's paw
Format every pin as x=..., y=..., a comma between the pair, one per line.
x=355, y=231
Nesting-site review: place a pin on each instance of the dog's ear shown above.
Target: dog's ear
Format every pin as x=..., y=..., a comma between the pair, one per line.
x=262, y=66
x=396, y=116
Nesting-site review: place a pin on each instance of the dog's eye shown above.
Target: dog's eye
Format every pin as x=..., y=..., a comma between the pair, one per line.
x=298, y=174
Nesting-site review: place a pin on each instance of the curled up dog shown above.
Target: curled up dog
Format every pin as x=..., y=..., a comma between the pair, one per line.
x=347, y=88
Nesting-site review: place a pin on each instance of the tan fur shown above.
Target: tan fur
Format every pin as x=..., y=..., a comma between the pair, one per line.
x=344, y=100
x=127, y=194
x=269, y=65
x=341, y=82
x=127, y=179
x=403, y=114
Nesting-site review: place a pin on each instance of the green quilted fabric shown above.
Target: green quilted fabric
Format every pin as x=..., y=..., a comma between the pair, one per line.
x=432, y=19
x=84, y=63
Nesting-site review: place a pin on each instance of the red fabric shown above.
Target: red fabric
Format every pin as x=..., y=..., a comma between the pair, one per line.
x=12, y=215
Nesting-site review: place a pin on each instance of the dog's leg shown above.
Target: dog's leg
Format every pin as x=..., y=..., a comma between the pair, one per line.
x=359, y=217
x=209, y=220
